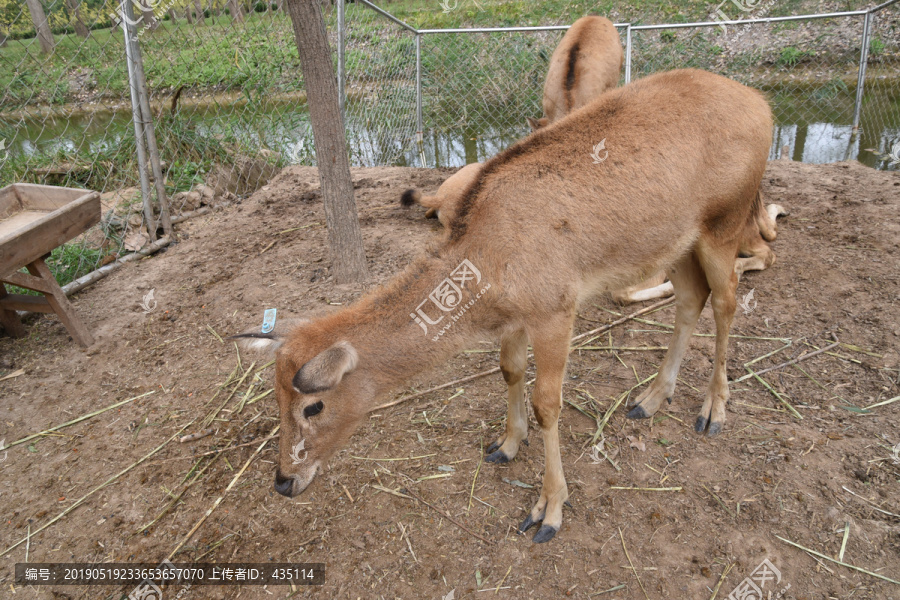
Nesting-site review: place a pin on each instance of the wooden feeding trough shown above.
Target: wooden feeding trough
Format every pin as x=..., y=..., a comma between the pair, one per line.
x=35, y=219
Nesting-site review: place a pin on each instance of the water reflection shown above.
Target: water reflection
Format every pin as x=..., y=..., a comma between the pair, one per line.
x=285, y=128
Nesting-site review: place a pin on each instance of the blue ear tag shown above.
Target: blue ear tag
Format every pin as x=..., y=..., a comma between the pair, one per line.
x=268, y=320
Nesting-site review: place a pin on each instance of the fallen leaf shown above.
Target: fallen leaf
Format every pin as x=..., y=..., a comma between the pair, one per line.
x=637, y=443
x=13, y=374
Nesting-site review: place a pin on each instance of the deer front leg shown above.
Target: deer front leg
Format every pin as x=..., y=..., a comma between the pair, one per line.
x=722, y=279
x=551, y=349
x=513, y=348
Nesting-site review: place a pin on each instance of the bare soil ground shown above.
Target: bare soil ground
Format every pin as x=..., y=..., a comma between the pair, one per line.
x=768, y=474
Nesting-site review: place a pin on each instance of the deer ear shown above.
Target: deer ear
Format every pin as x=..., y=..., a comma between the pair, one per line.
x=537, y=123
x=267, y=343
x=326, y=370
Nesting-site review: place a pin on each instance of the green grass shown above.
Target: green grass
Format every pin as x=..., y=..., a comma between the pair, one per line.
x=261, y=55
x=258, y=55
x=467, y=13
x=792, y=56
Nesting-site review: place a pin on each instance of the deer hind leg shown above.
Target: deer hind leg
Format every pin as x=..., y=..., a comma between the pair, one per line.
x=551, y=349
x=754, y=255
x=718, y=264
x=691, y=292
x=649, y=289
x=513, y=348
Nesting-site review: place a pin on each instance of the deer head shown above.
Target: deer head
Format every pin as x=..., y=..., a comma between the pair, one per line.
x=321, y=397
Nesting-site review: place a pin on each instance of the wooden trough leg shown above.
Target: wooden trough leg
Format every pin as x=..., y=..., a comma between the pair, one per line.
x=9, y=319
x=60, y=304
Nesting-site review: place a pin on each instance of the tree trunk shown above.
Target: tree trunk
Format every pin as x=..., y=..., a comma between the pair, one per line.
x=189, y=15
x=150, y=20
x=173, y=16
x=74, y=7
x=3, y=37
x=348, y=257
x=237, y=12
x=199, y=8
x=41, y=26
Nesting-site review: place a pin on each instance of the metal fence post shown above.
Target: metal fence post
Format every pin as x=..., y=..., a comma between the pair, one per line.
x=861, y=78
x=420, y=142
x=340, y=61
x=128, y=33
x=628, y=53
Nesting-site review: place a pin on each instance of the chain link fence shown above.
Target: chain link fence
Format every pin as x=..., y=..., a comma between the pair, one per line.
x=379, y=83
x=478, y=85
x=880, y=106
x=227, y=103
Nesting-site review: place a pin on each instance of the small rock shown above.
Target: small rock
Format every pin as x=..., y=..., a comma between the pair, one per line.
x=206, y=192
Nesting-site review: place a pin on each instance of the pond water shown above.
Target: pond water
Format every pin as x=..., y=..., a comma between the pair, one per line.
x=812, y=134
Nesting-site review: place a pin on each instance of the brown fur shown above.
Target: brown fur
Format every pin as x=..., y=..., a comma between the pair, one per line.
x=687, y=150
x=587, y=62
x=754, y=253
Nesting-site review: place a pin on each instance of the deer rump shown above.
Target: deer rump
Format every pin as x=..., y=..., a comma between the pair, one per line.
x=586, y=63
x=687, y=150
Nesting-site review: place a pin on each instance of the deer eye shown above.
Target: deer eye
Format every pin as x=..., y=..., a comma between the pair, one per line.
x=313, y=409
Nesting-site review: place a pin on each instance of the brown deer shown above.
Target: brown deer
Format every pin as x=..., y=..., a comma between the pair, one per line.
x=687, y=150
x=586, y=63
x=754, y=253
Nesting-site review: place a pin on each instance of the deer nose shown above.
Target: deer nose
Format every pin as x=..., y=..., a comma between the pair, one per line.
x=283, y=485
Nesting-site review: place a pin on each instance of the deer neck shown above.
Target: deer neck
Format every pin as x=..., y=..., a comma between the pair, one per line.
x=420, y=319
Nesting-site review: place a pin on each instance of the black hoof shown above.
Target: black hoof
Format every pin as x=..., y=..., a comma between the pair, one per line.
x=493, y=447
x=700, y=425
x=528, y=523
x=637, y=412
x=544, y=534
x=567, y=503
x=669, y=400
x=714, y=428
x=497, y=457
